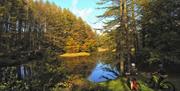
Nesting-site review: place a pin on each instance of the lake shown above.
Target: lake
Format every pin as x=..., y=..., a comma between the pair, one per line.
x=42, y=75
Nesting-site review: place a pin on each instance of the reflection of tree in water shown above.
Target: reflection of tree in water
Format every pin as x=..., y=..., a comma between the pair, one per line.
x=39, y=75
x=79, y=65
x=34, y=76
x=12, y=79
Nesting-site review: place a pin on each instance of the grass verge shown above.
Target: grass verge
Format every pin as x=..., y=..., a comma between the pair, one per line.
x=120, y=85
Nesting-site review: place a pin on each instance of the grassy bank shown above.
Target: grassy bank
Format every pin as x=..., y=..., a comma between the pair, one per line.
x=120, y=85
x=75, y=54
x=77, y=83
x=105, y=50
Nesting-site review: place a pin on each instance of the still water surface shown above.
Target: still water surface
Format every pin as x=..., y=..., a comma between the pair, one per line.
x=93, y=68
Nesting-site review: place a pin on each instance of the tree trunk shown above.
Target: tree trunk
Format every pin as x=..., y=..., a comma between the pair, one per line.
x=119, y=45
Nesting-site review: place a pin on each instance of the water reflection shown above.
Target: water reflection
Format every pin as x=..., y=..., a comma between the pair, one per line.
x=79, y=65
x=23, y=71
x=61, y=73
x=103, y=72
x=39, y=75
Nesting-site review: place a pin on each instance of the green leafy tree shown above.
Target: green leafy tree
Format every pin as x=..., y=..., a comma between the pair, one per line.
x=160, y=29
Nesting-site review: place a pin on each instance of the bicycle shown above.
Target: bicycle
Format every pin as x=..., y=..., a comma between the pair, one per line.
x=160, y=83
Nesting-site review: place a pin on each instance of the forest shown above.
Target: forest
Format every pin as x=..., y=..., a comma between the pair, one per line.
x=29, y=27
x=150, y=27
x=35, y=33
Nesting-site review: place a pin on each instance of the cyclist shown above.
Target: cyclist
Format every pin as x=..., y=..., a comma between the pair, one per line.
x=132, y=83
x=133, y=72
x=133, y=69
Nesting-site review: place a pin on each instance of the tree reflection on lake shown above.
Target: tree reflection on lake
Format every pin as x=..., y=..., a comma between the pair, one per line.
x=59, y=74
x=63, y=72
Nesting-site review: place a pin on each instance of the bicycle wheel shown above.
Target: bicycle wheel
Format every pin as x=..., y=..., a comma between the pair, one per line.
x=167, y=86
x=151, y=84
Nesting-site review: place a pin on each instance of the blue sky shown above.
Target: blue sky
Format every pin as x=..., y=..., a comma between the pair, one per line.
x=86, y=9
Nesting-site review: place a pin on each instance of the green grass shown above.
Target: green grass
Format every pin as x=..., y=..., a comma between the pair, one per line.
x=75, y=54
x=115, y=85
x=120, y=85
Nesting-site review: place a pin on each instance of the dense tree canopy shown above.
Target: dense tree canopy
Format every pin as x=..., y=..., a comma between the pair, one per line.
x=160, y=29
x=28, y=25
x=149, y=26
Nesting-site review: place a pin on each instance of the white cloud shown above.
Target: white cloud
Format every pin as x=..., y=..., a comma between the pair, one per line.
x=83, y=13
x=74, y=3
x=98, y=27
